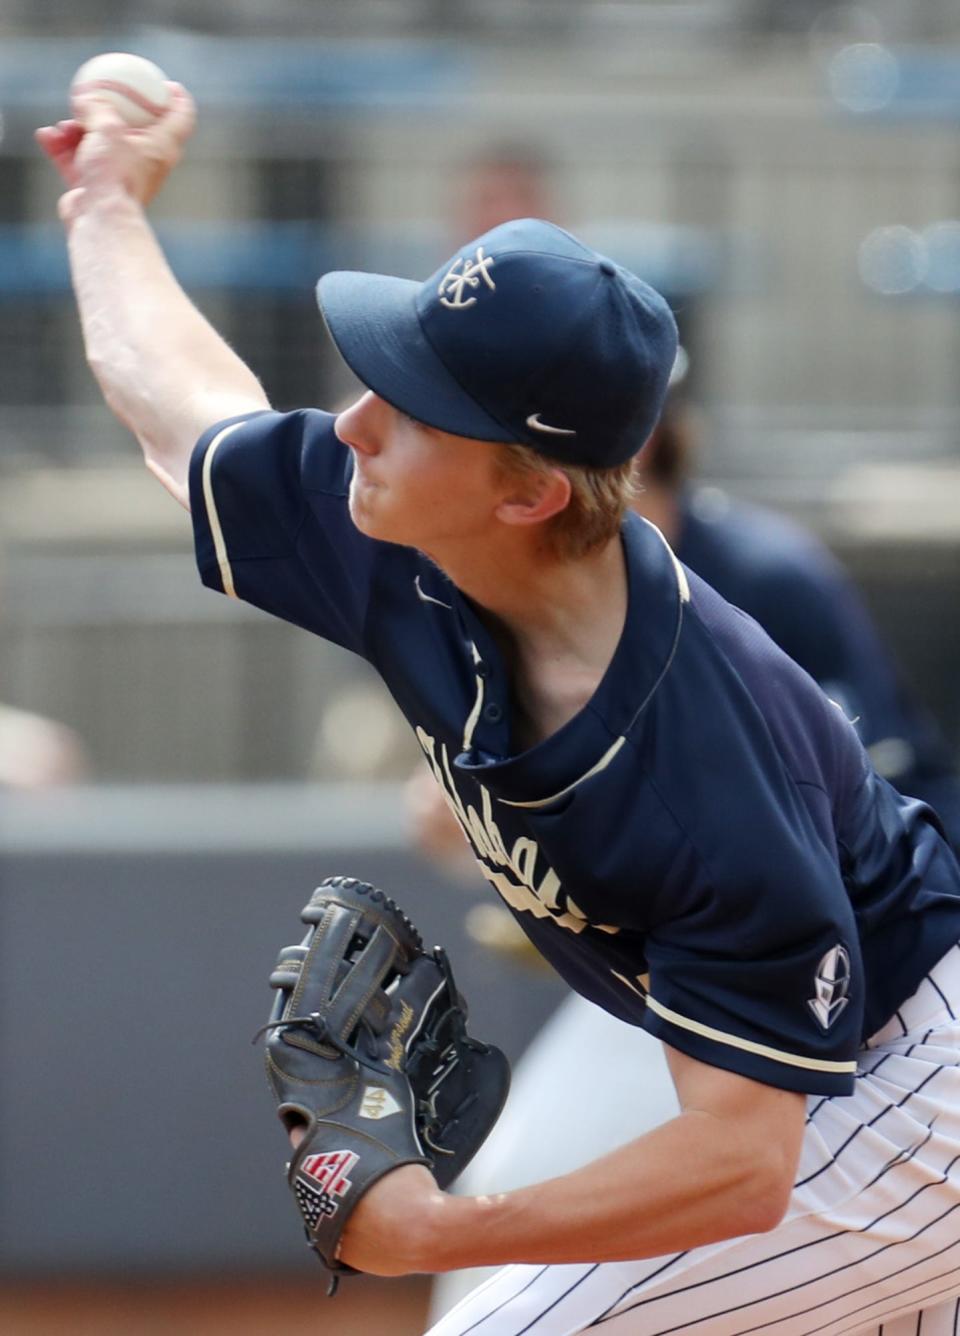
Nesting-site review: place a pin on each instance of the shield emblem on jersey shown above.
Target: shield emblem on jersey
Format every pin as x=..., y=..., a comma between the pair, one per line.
x=831, y=987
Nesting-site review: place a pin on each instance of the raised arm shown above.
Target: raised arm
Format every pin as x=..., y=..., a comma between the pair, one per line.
x=164, y=371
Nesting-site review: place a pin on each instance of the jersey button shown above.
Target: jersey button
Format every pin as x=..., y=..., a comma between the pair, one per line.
x=492, y=713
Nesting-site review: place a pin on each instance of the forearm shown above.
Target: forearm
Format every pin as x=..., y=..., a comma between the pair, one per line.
x=163, y=370
x=693, y=1181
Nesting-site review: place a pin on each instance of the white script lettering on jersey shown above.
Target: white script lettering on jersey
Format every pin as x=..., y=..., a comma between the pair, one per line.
x=544, y=898
x=463, y=274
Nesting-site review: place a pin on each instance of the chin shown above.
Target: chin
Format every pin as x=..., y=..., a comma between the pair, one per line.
x=366, y=519
x=363, y=520
x=360, y=509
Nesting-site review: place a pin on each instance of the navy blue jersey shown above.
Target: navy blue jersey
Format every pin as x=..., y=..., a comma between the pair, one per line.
x=805, y=601
x=704, y=849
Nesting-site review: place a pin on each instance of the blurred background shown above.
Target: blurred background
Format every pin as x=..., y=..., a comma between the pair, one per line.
x=177, y=770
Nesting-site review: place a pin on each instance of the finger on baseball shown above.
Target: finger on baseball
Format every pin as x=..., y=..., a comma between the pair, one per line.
x=70, y=132
x=54, y=139
x=181, y=115
x=98, y=115
x=46, y=136
x=59, y=148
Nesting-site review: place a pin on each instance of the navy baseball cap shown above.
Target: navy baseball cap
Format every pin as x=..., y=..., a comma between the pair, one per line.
x=526, y=335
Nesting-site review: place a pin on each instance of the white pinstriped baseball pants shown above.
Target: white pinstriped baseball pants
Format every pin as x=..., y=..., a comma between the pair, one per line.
x=870, y=1244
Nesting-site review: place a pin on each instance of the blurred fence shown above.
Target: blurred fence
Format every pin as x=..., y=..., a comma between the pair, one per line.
x=744, y=188
x=741, y=161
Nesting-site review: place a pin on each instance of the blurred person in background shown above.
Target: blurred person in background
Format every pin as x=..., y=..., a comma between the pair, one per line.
x=39, y=753
x=800, y=594
x=787, y=580
x=502, y=180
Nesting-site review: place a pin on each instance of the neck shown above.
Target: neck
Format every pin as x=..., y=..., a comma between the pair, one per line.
x=558, y=624
x=539, y=605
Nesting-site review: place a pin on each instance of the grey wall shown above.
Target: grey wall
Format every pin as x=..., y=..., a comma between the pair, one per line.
x=137, y=1130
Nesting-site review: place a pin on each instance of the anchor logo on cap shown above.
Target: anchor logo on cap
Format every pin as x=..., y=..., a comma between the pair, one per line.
x=464, y=274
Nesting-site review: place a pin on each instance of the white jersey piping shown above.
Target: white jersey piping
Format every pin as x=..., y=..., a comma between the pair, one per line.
x=213, y=518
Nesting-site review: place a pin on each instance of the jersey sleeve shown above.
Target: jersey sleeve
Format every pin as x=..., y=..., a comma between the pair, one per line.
x=753, y=949
x=272, y=526
x=789, y=1016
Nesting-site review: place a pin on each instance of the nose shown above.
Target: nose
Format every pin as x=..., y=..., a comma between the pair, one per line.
x=356, y=425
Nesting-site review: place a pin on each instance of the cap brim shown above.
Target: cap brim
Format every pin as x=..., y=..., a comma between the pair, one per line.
x=372, y=319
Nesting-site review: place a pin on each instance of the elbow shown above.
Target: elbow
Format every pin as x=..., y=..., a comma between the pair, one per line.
x=769, y=1212
x=767, y=1198
x=753, y=1212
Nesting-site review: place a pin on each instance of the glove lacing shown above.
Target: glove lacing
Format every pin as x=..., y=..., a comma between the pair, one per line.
x=318, y=1023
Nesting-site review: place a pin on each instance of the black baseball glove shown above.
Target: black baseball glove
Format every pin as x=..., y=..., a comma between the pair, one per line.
x=367, y=1049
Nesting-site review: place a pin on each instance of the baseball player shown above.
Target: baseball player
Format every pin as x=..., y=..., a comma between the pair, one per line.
x=684, y=825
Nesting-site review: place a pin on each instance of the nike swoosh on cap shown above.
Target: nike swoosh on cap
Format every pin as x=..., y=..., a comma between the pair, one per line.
x=534, y=421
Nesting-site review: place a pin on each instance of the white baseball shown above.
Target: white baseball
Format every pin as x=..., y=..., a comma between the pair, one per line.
x=132, y=84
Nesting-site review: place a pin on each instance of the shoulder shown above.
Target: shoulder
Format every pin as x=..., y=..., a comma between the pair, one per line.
x=301, y=444
x=755, y=721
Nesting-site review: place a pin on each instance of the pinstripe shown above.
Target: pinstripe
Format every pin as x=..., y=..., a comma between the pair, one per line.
x=795, y=1289
x=491, y=1312
x=646, y=1281
x=926, y=1300
x=942, y=997
x=902, y=1157
x=868, y=1285
x=787, y=1252
x=891, y=1260
x=559, y=1299
x=856, y=1328
x=917, y=1043
x=565, y=1295
x=874, y=1120
x=492, y=1283
x=869, y=1071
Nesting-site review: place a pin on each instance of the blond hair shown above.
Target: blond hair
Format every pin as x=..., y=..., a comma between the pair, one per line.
x=599, y=498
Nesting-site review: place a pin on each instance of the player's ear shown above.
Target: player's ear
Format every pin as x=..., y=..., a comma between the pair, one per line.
x=535, y=497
